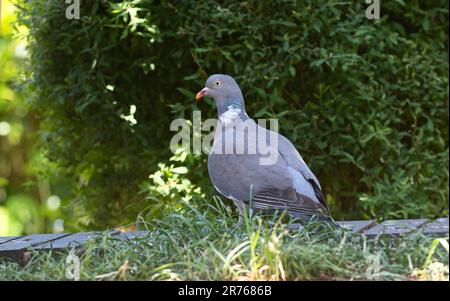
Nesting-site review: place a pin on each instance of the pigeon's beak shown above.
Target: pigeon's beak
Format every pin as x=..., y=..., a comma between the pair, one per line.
x=201, y=94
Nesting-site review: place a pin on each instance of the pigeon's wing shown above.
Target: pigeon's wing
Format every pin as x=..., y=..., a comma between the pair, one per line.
x=293, y=158
x=288, y=199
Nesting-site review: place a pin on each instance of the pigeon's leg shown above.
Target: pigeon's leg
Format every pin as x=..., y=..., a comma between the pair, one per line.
x=242, y=208
x=240, y=221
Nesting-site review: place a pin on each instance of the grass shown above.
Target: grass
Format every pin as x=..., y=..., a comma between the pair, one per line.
x=202, y=242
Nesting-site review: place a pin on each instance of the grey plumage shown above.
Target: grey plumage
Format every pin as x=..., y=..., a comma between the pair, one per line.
x=286, y=185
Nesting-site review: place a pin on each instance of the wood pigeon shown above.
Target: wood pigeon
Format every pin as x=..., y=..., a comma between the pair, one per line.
x=236, y=161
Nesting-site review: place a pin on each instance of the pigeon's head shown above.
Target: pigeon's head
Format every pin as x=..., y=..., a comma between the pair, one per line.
x=220, y=87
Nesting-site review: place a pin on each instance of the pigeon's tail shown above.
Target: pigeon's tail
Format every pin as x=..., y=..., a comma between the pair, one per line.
x=318, y=217
x=330, y=221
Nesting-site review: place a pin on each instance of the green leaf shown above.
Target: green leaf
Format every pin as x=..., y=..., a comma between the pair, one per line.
x=186, y=93
x=180, y=170
x=292, y=70
x=426, y=24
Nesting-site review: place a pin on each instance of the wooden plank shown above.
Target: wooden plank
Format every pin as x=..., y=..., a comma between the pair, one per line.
x=131, y=235
x=395, y=227
x=5, y=239
x=357, y=226
x=17, y=248
x=72, y=240
x=439, y=226
x=19, y=256
x=25, y=242
x=294, y=226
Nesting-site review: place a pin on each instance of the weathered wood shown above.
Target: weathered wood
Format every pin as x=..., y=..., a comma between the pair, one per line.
x=131, y=235
x=439, y=227
x=5, y=239
x=16, y=248
x=395, y=227
x=357, y=226
x=24, y=242
x=74, y=240
x=19, y=256
x=294, y=226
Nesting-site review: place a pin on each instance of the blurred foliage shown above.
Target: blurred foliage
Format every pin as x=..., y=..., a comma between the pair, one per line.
x=365, y=101
x=27, y=204
x=169, y=186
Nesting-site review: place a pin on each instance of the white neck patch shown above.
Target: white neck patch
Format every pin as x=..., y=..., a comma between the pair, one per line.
x=230, y=115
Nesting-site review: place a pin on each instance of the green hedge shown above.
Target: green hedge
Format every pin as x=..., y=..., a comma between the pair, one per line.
x=365, y=101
